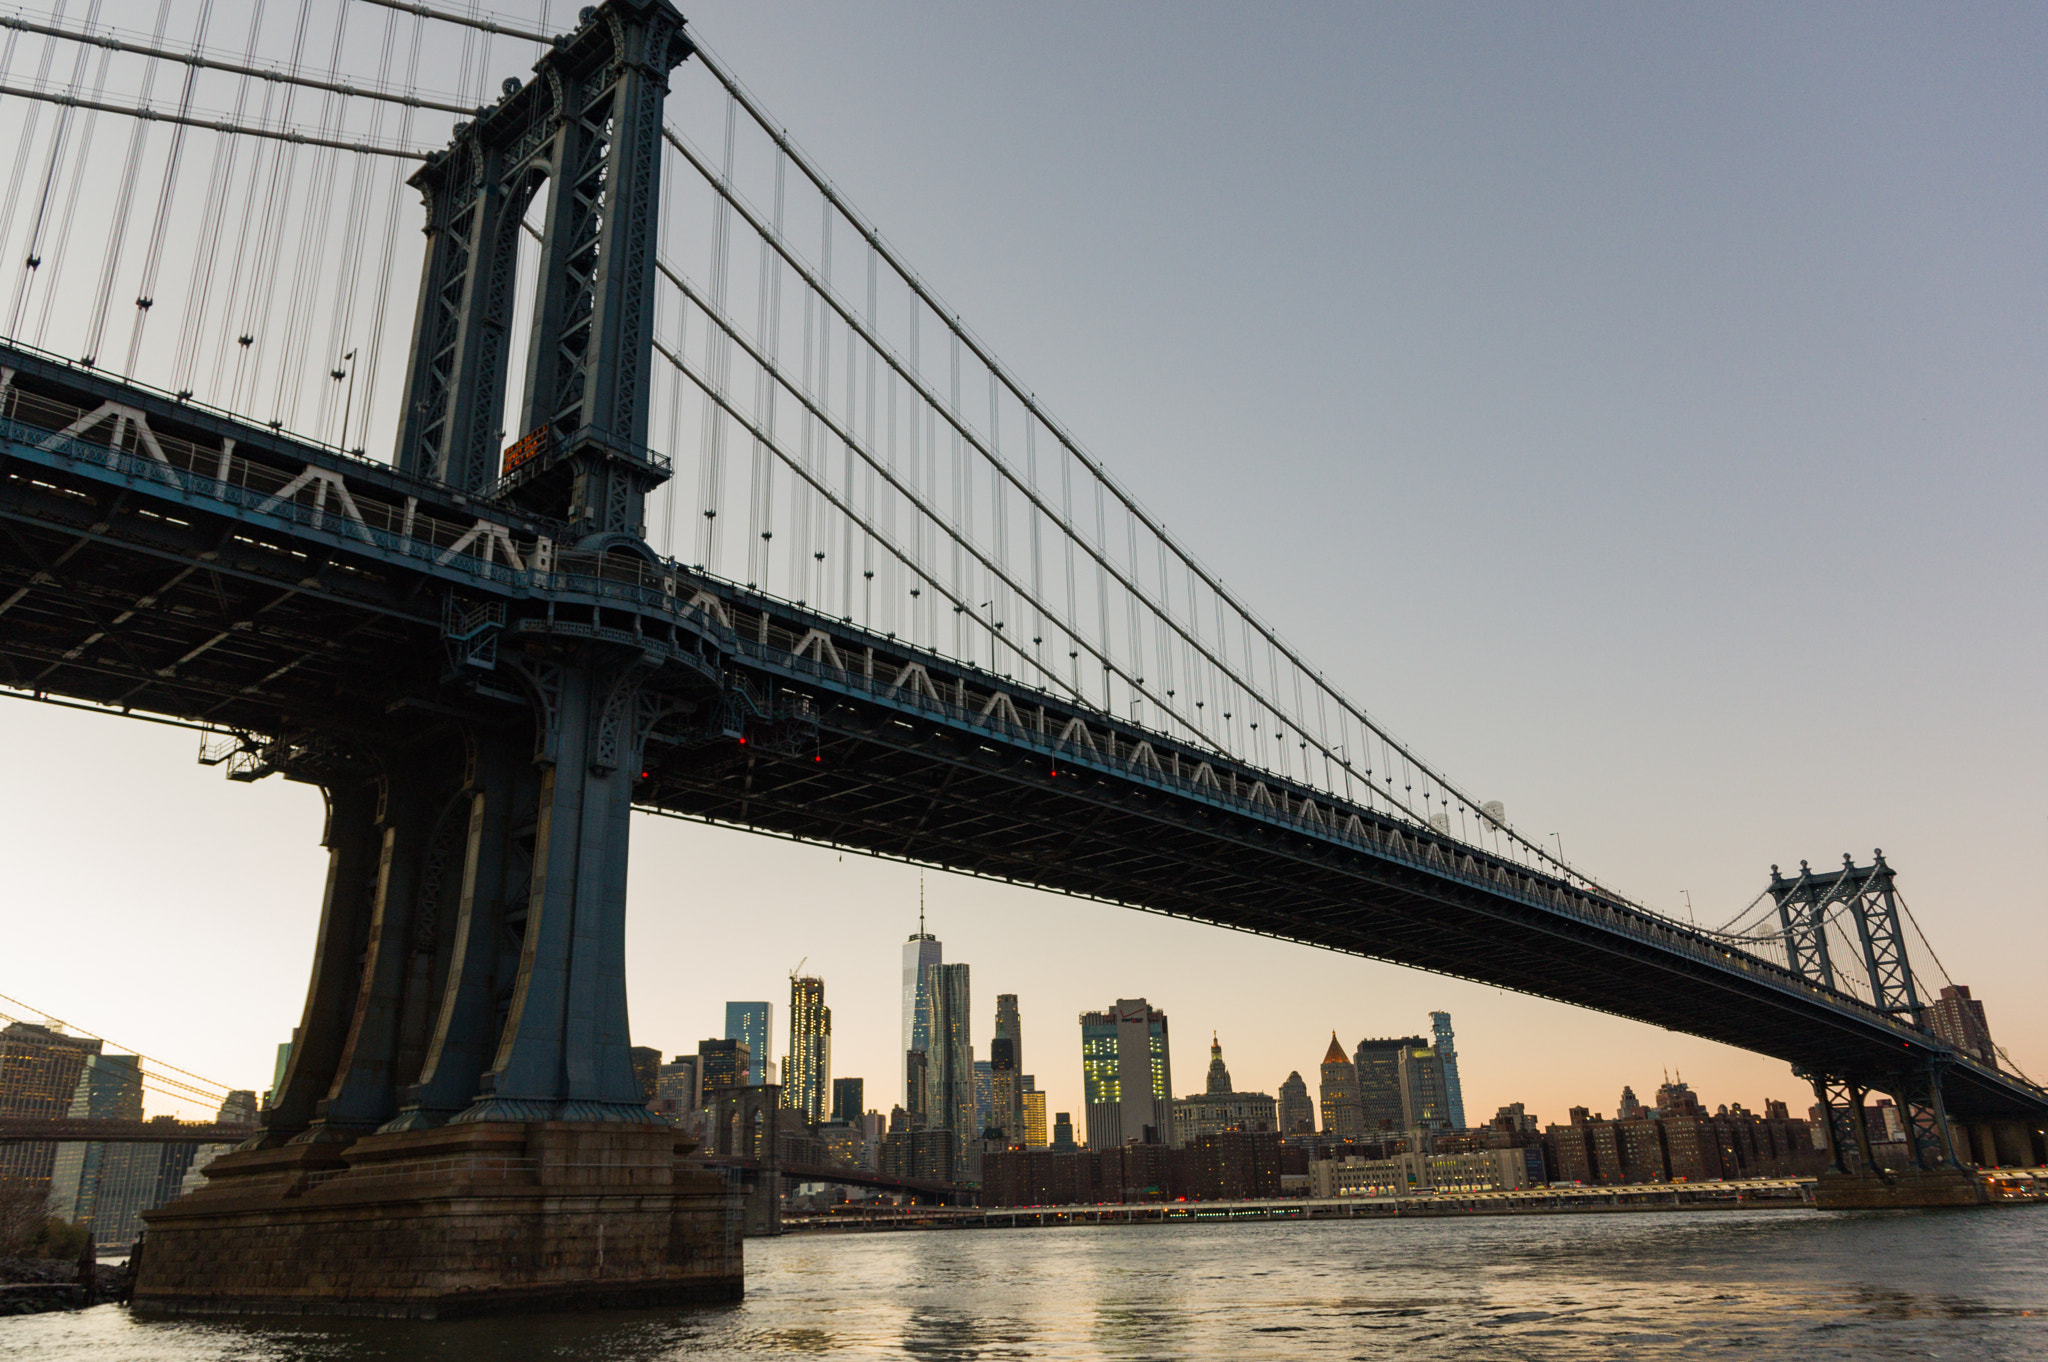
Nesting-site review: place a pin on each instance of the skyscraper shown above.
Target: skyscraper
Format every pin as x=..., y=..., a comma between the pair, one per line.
x=1343, y=1117
x=722, y=1064
x=238, y=1108
x=39, y=1071
x=678, y=1090
x=752, y=1023
x=106, y=1186
x=951, y=1071
x=922, y=954
x=1423, y=1104
x=1063, y=1133
x=1219, y=1076
x=1380, y=1084
x=807, y=1072
x=1297, y=1111
x=1127, y=1075
x=1034, y=1120
x=849, y=1098
x=1221, y=1108
x=1958, y=1018
x=1006, y=1068
x=1447, y=1057
x=646, y=1067
x=984, y=1106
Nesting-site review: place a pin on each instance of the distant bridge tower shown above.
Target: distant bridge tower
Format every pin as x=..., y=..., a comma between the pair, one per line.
x=1807, y=906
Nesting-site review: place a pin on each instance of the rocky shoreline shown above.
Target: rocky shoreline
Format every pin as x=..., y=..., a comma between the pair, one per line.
x=30, y=1286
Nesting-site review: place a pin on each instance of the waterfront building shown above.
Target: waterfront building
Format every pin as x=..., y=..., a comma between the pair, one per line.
x=849, y=1098
x=807, y=1071
x=1233, y=1166
x=1446, y=1047
x=1063, y=1133
x=1221, y=1109
x=752, y=1023
x=1034, y=1119
x=1343, y=1118
x=1297, y=1109
x=926, y=1154
x=39, y=1070
x=722, y=1064
x=1380, y=1062
x=1126, y=1074
x=1406, y=1174
x=1958, y=1018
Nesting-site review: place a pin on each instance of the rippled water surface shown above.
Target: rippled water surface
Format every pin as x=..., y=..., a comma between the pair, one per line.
x=1767, y=1284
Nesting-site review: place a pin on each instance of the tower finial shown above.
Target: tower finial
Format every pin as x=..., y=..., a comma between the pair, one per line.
x=920, y=903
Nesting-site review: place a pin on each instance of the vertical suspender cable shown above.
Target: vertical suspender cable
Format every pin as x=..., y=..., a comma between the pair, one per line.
x=206, y=247
x=54, y=165
x=80, y=167
x=124, y=199
x=372, y=365
x=717, y=360
x=152, y=258
x=31, y=261
x=30, y=117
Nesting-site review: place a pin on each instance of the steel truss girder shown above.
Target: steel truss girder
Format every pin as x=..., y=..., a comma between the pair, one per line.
x=1805, y=907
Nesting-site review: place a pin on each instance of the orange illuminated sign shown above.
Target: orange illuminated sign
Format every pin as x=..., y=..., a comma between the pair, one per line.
x=524, y=448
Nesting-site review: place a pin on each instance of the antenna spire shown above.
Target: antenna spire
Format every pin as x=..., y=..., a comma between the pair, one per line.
x=920, y=903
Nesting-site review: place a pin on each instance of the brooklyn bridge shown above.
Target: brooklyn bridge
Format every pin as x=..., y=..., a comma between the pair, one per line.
x=909, y=616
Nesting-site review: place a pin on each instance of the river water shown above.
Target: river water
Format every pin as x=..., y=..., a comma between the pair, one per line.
x=1762, y=1284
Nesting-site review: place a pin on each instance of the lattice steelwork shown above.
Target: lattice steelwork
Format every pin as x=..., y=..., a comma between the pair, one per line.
x=1809, y=905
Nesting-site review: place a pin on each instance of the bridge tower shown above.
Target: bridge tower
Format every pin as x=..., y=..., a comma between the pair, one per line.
x=467, y=1004
x=1807, y=905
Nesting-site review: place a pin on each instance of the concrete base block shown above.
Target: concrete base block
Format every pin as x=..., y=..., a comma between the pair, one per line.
x=459, y=1220
x=1899, y=1191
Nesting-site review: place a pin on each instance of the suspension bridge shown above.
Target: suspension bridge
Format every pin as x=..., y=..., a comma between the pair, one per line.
x=676, y=490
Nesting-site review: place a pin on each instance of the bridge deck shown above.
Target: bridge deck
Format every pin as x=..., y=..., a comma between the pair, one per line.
x=131, y=574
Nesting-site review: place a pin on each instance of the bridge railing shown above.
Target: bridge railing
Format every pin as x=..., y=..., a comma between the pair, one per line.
x=121, y=440
x=1243, y=788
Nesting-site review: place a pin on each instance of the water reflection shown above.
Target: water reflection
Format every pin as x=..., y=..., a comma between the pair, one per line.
x=1773, y=1285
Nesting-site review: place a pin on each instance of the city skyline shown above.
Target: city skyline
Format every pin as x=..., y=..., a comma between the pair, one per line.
x=1415, y=1083
x=1635, y=725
